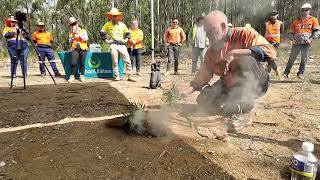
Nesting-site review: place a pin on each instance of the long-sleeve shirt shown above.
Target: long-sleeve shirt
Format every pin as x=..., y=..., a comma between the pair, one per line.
x=42, y=39
x=237, y=38
x=115, y=31
x=136, y=35
x=79, y=39
x=10, y=33
x=303, y=29
x=174, y=36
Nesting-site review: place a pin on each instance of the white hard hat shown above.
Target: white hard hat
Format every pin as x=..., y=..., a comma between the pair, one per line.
x=306, y=6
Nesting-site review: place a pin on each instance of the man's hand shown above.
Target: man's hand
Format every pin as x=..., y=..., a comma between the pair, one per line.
x=133, y=42
x=109, y=41
x=167, y=44
x=187, y=92
x=309, y=41
x=224, y=64
x=179, y=44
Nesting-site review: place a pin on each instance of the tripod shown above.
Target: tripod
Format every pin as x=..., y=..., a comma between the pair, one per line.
x=19, y=54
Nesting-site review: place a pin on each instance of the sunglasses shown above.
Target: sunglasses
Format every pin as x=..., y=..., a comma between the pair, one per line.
x=73, y=24
x=174, y=22
x=304, y=10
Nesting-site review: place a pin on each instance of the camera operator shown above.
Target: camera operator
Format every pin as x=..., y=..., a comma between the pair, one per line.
x=78, y=38
x=16, y=47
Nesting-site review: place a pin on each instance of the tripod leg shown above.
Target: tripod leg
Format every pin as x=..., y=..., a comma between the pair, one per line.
x=48, y=70
x=14, y=63
x=23, y=61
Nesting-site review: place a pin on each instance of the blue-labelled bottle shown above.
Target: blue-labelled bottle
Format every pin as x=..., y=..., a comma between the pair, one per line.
x=304, y=163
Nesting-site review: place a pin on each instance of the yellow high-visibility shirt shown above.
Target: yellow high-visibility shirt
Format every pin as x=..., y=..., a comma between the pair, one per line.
x=136, y=36
x=44, y=38
x=115, y=31
x=9, y=30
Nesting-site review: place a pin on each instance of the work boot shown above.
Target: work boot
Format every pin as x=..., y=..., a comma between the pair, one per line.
x=176, y=73
x=71, y=79
x=82, y=78
x=238, y=122
x=130, y=78
x=43, y=74
x=138, y=73
x=300, y=76
x=57, y=74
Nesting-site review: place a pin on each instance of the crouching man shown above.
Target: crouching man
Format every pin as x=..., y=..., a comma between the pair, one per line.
x=234, y=54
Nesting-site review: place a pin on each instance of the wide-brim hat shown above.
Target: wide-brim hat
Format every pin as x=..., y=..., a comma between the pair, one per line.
x=114, y=12
x=40, y=23
x=72, y=20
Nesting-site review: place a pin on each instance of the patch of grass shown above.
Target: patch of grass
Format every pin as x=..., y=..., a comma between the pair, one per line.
x=135, y=118
x=172, y=95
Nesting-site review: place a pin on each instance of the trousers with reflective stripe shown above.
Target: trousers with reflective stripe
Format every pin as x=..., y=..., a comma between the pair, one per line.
x=47, y=52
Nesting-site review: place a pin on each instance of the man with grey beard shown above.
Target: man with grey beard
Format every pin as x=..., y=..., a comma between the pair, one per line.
x=234, y=54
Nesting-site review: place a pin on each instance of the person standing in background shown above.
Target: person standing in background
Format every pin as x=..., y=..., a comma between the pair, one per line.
x=173, y=38
x=135, y=45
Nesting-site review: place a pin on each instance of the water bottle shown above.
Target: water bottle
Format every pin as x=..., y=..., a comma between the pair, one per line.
x=304, y=163
x=95, y=47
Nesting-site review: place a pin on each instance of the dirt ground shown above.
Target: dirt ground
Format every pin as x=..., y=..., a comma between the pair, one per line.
x=84, y=148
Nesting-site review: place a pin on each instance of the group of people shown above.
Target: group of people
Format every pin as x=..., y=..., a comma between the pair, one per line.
x=235, y=54
x=124, y=42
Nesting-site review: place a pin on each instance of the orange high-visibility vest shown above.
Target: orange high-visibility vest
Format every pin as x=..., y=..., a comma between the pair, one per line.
x=273, y=31
x=77, y=40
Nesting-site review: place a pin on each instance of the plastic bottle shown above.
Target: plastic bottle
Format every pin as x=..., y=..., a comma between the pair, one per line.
x=95, y=47
x=304, y=163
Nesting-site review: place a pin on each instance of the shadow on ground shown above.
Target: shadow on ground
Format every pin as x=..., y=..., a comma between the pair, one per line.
x=48, y=103
x=88, y=150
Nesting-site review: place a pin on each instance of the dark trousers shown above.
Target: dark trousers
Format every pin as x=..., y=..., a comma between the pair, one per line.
x=252, y=83
x=21, y=55
x=271, y=62
x=295, y=50
x=173, y=57
x=135, y=57
x=78, y=55
x=47, y=52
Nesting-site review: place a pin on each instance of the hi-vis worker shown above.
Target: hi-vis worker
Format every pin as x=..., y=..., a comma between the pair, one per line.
x=135, y=45
x=234, y=54
x=303, y=30
x=199, y=42
x=43, y=40
x=18, y=52
x=78, y=38
x=273, y=30
x=117, y=34
x=173, y=38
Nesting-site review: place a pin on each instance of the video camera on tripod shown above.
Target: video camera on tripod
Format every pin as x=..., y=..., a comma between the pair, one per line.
x=21, y=17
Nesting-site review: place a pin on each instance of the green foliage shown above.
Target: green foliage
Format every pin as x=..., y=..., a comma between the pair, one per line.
x=131, y=110
x=172, y=95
